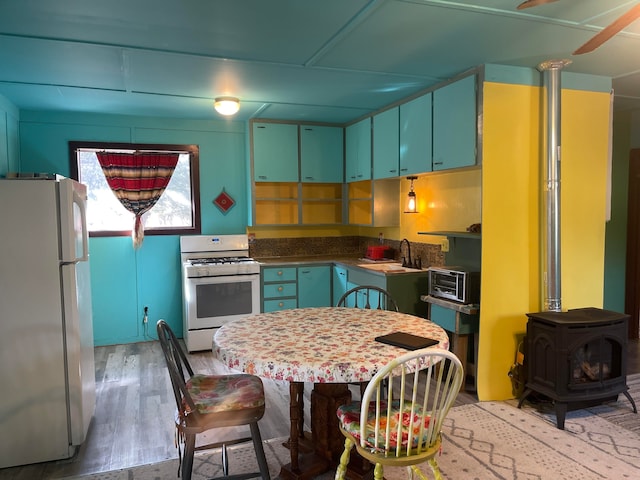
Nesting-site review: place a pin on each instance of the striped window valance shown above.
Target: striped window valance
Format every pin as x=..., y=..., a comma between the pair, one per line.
x=138, y=180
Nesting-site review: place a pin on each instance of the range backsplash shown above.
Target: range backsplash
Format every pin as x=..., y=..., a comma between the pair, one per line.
x=355, y=246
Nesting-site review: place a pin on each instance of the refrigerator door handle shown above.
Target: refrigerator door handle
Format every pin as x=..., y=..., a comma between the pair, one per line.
x=80, y=201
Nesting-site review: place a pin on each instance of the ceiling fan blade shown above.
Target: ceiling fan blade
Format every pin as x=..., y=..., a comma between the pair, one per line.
x=534, y=3
x=609, y=31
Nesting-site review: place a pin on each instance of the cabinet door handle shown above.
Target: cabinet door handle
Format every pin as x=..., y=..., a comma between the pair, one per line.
x=281, y=304
x=308, y=178
x=261, y=126
x=280, y=288
x=280, y=272
x=262, y=177
x=437, y=163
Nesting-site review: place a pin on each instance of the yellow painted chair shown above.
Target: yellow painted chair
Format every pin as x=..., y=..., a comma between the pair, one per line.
x=206, y=402
x=399, y=419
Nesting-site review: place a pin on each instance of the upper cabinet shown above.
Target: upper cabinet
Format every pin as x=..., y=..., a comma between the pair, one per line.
x=455, y=124
x=321, y=154
x=416, y=136
x=386, y=144
x=275, y=152
x=280, y=196
x=358, y=151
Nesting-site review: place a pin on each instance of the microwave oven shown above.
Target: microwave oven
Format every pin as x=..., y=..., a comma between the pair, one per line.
x=455, y=283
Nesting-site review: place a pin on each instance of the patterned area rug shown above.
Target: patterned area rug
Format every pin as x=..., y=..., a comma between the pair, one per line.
x=483, y=441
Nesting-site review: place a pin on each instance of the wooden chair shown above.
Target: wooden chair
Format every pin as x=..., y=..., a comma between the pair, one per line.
x=205, y=402
x=402, y=426
x=365, y=295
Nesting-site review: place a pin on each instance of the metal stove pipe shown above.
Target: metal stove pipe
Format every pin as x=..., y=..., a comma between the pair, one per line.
x=551, y=275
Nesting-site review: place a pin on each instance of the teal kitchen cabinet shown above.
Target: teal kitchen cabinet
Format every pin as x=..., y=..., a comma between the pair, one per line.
x=339, y=283
x=358, y=151
x=314, y=286
x=275, y=152
x=279, y=288
x=386, y=144
x=455, y=124
x=405, y=288
x=321, y=154
x=416, y=136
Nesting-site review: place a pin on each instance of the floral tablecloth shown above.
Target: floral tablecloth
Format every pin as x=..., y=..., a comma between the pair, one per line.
x=319, y=345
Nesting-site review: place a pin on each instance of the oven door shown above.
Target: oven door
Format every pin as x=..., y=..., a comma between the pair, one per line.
x=210, y=302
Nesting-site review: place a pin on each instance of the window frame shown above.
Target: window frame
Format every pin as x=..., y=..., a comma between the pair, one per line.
x=194, y=171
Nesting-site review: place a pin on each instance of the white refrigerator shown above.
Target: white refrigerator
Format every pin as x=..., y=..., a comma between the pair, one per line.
x=47, y=375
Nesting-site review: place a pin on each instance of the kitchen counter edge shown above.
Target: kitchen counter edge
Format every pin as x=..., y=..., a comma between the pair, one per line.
x=349, y=262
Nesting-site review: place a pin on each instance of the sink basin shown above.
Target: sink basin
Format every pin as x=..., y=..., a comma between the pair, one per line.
x=387, y=267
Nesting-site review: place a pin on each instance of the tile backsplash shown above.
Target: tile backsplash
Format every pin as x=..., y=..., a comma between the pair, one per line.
x=346, y=246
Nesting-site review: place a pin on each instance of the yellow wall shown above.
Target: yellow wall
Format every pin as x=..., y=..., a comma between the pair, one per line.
x=513, y=152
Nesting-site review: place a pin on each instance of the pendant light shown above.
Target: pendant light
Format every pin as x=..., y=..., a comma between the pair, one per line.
x=411, y=205
x=227, y=105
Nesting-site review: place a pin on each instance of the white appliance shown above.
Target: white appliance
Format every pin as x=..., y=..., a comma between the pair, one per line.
x=47, y=374
x=220, y=283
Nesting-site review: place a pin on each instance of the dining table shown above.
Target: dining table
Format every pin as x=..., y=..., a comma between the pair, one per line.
x=330, y=347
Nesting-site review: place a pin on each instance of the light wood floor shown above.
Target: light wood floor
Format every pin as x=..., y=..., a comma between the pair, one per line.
x=133, y=422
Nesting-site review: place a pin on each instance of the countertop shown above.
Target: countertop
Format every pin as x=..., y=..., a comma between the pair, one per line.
x=345, y=261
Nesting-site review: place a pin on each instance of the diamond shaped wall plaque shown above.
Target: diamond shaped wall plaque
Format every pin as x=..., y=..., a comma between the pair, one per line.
x=224, y=202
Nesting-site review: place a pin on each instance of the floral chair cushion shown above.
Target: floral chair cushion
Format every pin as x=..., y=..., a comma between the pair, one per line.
x=220, y=393
x=349, y=416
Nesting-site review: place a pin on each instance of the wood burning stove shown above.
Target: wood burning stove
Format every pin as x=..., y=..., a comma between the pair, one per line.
x=576, y=358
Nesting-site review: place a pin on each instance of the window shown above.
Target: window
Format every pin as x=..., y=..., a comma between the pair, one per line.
x=177, y=212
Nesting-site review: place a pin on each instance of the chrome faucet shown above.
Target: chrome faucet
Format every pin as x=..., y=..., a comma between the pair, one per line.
x=406, y=261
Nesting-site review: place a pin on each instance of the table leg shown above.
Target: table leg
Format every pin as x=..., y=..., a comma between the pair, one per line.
x=327, y=441
x=302, y=466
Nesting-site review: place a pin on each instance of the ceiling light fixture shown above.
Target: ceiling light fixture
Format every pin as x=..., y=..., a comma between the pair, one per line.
x=412, y=201
x=227, y=105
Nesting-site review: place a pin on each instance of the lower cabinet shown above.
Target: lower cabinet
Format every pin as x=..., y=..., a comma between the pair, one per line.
x=404, y=288
x=314, y=286
x=279, y=288
x=295, y=287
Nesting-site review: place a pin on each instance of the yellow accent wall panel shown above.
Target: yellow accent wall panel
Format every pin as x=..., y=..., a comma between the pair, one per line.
x=514, y=149
x=585, y=147
x=510, y=229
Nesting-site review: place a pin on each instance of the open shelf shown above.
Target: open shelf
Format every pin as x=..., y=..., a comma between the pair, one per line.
x=447, y=233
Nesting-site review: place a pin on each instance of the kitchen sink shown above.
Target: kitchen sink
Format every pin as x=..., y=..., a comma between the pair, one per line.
x=387, y=267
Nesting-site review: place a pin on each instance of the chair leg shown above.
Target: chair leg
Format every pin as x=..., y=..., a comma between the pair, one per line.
x=344, y=459
x=259, y=449
x=187, y=460
x=225, y=461
x=434, y=467
x=378, y=472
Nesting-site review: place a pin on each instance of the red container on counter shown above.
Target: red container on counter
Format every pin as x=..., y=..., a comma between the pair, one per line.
x=376, y=252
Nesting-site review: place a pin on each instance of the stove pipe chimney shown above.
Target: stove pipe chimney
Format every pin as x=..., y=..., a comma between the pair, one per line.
x=551, y=274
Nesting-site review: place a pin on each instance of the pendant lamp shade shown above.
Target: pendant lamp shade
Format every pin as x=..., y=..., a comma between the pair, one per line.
x=411, y=203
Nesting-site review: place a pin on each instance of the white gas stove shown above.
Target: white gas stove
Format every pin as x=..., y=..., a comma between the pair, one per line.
x=221, y=283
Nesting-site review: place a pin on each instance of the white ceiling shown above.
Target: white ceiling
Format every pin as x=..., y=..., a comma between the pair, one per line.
x=311, y=60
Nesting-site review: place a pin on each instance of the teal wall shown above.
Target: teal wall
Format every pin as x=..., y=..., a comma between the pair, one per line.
x=125, y=280
x=9, y=150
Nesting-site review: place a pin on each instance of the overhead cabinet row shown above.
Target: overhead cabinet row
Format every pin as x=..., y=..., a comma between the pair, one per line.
x=435, y=131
